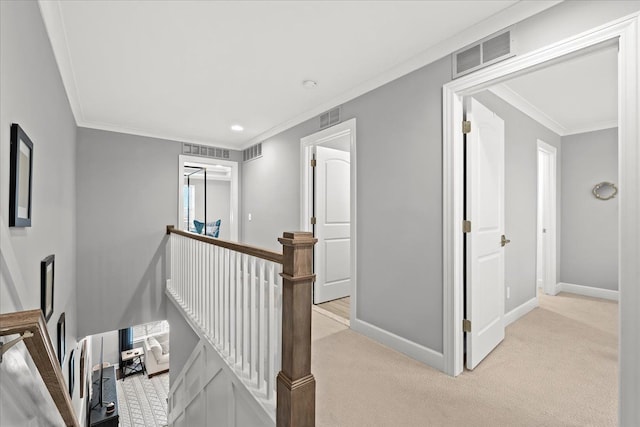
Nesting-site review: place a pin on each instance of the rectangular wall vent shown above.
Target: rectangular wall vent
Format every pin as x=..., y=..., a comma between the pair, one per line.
x=252, y=152
x=330, y=118
x=205, y=151
x=495, y=48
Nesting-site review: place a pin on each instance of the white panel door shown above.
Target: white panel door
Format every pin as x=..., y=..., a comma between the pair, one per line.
x=332, y=195
x=484, y=252
x=546, y=262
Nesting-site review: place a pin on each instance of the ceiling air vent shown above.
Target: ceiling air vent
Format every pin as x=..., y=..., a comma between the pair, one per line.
x=205, y=151
x=329, y=118
x=495, y=48
x=252, y=152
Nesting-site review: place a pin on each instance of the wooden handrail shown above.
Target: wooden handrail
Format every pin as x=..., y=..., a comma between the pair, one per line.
x=43, y=355
x=238, y=247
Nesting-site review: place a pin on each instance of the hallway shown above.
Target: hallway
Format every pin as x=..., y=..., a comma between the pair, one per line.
x=558, y=365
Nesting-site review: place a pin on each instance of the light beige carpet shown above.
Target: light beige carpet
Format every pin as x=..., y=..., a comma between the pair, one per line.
x=556, y=367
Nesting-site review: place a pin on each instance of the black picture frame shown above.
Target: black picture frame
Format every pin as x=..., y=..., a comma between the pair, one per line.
x=47, y=275
x=62, y=339
x=21, y=178
x=72, y=372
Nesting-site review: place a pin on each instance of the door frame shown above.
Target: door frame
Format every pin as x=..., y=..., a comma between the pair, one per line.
x=307, y=144
x=233, y=188
x=625, y=32
x=551, y=278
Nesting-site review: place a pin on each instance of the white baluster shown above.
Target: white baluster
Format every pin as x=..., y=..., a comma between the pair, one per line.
x=238, y=287
x=262, y=326
x=212, y=305
x=232, y=304
x=254, y=320
x=218, y=296
x=271, y=339
x=245, y=313
x=226, y=301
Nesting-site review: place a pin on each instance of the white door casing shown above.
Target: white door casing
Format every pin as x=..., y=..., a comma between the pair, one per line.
x=626, y=32
x=485, y=267
x=546, y=224
x=341, y=136
x=332, y=229
x=234, y=197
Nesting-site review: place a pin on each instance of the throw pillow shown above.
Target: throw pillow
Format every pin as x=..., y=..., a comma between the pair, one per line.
x=213, y=228
x=165, y=347
x=198, y=225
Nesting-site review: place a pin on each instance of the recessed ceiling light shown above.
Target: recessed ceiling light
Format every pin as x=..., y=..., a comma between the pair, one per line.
x=309, y=84
x=237, y=128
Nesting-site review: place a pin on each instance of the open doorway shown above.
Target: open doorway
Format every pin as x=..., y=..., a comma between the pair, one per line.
x=328, y=210
x=621, y=35
x=208, y=197
x=514, y=152
x=546, y=230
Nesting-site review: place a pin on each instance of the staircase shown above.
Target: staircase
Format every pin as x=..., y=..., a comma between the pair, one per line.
x=251, y=309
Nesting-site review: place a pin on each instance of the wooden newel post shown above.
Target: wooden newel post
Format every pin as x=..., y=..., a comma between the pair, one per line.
x=296, y=386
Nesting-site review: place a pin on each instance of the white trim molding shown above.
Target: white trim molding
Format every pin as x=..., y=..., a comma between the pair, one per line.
x=307, y=143
x=550, y=271
x=510, y=16
x=234, y=190
x=520, y=311
x=415, y=351
x=516, y=100
x=625, y=32
x=588, y=291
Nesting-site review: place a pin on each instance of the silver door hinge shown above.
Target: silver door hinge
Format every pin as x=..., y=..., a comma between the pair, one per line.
x=313, y=163
x=466, y=226
x=466, y=325
x=313, y=220
x=466, y=126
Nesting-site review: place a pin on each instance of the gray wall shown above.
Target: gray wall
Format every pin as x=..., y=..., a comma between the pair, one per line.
x=182, y=341
x=127, y=194
x=521, y=189
x=399, y=129
x=33, y=96
x=590, y=226
x=270, y=189
x=399, y=210
x=110, y=349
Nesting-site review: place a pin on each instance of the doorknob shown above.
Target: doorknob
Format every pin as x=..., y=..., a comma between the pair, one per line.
x=504, y=240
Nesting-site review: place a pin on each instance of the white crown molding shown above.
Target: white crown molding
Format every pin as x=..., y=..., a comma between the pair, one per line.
x=54, y=23
x=502, y=19
x=157, y=135
x=607, y=124
x=518, y=101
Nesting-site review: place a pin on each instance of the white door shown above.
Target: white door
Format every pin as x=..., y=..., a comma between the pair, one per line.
x=484, y=251
x=332, y=257
x=546, y=233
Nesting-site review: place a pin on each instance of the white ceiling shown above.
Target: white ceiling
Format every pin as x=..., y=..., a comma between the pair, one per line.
x=189, y=70
x=573, y=96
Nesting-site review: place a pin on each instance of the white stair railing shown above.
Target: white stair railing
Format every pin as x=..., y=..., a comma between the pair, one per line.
x=254, y=307
x=235, y=298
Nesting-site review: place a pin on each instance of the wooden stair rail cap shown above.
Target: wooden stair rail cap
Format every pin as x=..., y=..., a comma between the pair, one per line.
x=237, y=247
x=43, y=355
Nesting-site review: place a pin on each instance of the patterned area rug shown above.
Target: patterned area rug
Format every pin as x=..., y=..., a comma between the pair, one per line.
x=142, y=402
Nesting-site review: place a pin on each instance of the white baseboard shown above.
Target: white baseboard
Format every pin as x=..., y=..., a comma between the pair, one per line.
x=587, y=291
x=520, y=311
x=403, y=345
